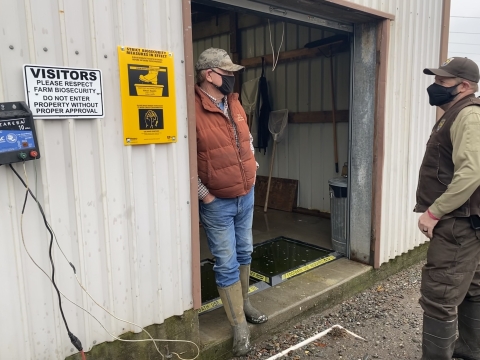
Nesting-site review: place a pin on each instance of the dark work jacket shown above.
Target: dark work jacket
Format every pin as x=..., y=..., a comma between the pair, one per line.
x=437, y=169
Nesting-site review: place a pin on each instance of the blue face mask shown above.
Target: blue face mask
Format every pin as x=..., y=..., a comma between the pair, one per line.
x=440, y=95
x=228, y=81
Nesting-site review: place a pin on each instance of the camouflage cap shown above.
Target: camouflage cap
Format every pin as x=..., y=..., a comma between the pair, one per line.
x=216, y=58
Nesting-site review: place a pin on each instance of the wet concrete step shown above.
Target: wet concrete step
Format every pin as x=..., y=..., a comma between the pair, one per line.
x=285, y=303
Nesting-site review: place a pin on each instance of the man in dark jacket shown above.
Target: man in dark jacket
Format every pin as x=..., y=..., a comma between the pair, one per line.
x=448, y=196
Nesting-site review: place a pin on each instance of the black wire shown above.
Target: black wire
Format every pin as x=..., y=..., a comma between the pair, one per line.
x=43, y=215
x=47, y=225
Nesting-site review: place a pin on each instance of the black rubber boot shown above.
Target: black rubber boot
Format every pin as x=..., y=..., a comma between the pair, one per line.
x=438, y=338
x=233, y=303
x=467, y=346
x=252, y=315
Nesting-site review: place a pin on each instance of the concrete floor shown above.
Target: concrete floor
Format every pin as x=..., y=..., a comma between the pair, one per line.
x=275, y=223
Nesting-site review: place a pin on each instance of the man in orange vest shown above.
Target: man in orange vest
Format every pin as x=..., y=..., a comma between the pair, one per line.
x=448, y=196
x=226, y=178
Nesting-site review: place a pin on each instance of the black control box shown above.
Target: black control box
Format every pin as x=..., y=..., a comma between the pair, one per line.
x=18, y=139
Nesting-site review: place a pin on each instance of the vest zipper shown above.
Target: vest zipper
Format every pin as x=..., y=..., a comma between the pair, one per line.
x=238, y=147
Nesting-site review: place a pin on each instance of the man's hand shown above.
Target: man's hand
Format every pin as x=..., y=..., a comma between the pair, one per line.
x=426, y=225
x=208, y=199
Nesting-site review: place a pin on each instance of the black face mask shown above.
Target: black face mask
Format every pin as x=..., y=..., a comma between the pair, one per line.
x=440, y=95
x=227, y=83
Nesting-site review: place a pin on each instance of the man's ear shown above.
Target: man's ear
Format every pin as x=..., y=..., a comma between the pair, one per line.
x=208, y=76
x=465, y=86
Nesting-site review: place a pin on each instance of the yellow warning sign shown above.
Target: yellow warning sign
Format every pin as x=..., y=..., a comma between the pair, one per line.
x=147, y=87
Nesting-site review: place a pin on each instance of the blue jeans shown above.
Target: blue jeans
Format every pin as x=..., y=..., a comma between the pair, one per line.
x=228, y=225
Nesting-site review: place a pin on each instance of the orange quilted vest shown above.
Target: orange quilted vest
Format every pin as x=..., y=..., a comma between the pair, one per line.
x=224, y=169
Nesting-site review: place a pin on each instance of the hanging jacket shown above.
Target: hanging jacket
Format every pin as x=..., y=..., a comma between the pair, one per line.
x=264, y=113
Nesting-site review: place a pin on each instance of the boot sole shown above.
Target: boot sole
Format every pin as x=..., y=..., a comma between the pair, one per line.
x=255, y=321
x=241, y=353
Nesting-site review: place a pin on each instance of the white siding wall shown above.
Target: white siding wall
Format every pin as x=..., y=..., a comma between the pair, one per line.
x=414, y=45
x=120, y=213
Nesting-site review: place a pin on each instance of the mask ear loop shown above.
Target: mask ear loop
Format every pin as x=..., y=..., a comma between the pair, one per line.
x=218, y=87
x=458, y=92
x=210, y=77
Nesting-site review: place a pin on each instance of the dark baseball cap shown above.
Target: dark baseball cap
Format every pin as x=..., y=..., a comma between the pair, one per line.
x=457, y=67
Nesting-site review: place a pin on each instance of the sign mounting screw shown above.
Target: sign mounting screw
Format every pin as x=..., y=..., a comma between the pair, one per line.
x=11, y=47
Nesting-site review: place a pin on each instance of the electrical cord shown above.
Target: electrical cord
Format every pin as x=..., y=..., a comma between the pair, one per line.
x=75, y=340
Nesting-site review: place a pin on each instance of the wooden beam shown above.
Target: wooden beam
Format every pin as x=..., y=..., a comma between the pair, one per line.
x=318, y=117
x=221, y=25
x=298, y=54
x=214, y=26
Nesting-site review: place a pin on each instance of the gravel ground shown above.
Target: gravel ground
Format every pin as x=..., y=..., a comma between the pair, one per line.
x=387, y=316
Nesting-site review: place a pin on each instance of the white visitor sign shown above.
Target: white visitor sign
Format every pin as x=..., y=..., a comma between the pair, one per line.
x=62, y=92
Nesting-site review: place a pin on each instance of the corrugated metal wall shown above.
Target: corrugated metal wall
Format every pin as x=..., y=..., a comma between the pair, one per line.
x=414, y=45
x=121, y=214
x=306, y=152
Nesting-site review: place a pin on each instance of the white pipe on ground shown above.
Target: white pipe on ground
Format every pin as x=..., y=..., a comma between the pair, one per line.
x=313, y=338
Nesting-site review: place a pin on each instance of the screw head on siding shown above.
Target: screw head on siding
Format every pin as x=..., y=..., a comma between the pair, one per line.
x=105, y=56
x=76, y=52
x=11, y=47
x=183, y=61
x=185, y=136
x=45, y=49
x=188, y=202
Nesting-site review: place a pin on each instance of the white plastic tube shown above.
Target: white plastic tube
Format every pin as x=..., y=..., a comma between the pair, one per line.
x=313, y=338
